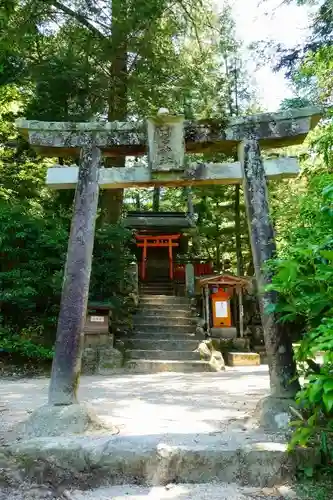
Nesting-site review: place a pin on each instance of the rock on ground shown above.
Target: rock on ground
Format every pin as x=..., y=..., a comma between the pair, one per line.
x=60, y=421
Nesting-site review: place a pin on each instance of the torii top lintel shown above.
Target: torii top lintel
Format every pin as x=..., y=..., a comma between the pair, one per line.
x=273, y=130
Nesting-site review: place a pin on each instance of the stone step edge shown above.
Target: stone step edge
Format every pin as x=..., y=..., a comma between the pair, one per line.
x=123, y=459
x=153, y=308
x=160, y=331
x=164, y=325
x=153, y=352
x=162, y=295
x=162, y=302
x=159, y=336
x=157, y=340
x=194, y=491
x=168, y=361
x=141, y=314
x=142, y=365
x=162, y=315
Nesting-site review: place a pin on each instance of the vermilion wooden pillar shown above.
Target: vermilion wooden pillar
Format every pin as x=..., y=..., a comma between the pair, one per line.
x=144, y=260
x=145, y=242
x=170, y=260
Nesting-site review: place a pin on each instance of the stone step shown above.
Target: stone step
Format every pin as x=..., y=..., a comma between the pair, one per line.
x=194, y=491
x=164, y=328
x=157, y=335
x=243, y=359
x=164, y=299
x=160, y=459
x=155, y=309
x=167, y=321
x=162, y=354
x=156, y=286
x=162, y=313
x=156, y=290
x=156, y=366
x=174, y=344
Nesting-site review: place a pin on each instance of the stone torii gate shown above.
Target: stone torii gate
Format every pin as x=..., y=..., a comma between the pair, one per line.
x=165, y=138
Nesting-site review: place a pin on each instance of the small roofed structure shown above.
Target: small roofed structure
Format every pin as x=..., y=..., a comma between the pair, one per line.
x=157, y=221
x=160, y=237
x=218, y=302
x=236, y=283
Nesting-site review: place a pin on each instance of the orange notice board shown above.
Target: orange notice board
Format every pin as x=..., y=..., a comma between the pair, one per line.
x=221, y=309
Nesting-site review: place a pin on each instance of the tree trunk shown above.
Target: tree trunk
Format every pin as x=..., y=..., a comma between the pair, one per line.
x=137, y=201
x=218, y=257
x=278, y=344
x=66, y=365
x=196, y=243
x=156, y=199
x=112, y=199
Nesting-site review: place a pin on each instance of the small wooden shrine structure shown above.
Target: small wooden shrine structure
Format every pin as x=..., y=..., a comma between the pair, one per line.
x=168, y=241
x=161, y=245
x=217, y=290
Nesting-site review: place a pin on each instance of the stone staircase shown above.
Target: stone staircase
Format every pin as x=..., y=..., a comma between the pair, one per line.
x=164, y=334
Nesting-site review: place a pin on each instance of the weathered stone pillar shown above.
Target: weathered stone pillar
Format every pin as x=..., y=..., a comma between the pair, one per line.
x=190, y=279
x=207, y=308
x=69, y=342
x=134, y=273
x=282, y=367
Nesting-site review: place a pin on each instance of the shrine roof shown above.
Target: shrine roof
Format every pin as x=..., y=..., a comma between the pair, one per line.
x=225, y=280
x=157, y=220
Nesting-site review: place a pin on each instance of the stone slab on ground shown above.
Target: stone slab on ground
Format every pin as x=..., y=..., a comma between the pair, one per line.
x=216, y=491
x=243, y=359
x=171, y=365
x=81, y=461
x=224, y=333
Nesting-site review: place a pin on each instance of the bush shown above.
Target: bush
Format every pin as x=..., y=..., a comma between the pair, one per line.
x=11, y=342
x=304, y=281
x=33, y=245
x=33, y=249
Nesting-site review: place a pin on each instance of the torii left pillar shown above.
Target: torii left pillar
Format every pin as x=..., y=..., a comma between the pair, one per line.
x=66, y=366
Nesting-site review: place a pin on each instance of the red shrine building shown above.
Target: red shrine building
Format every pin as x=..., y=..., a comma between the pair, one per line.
x=162, y=244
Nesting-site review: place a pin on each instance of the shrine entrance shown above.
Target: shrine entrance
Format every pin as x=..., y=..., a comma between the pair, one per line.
x=157, y=257
x=166, y=138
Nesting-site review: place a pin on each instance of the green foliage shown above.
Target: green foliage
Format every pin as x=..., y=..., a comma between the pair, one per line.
x=61, y=61
x=112, y=256
x=20, y=344
x=303, y=277
x=33, y=248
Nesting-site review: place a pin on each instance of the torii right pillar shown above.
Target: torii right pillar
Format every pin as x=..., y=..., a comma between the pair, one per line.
x=274, y=410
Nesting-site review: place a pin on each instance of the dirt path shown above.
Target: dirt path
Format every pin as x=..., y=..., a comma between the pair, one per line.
x=170, y=403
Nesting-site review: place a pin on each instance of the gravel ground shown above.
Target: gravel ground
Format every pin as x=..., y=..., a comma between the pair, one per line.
x=156, y=404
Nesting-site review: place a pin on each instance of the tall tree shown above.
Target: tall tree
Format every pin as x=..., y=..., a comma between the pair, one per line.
x=124, y=57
